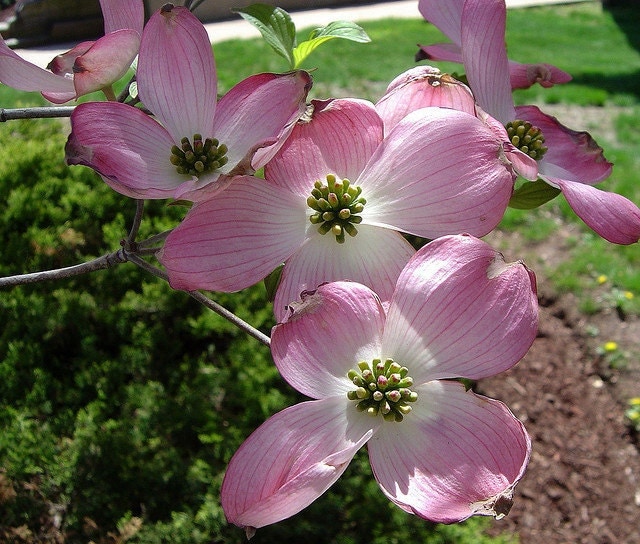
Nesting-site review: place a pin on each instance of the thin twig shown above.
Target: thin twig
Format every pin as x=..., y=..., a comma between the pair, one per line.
x=106, y=261
x=41, y=112
x=153, y=241
x=207, y=302
x=137, y=220
x=230, y=316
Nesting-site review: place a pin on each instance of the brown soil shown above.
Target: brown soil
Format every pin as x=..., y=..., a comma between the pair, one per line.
x=583, y=481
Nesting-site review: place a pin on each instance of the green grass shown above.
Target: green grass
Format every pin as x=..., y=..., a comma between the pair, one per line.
x=580, y=38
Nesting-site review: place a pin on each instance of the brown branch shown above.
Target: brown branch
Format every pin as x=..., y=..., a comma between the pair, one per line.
x=43, y=112
x=106, y=261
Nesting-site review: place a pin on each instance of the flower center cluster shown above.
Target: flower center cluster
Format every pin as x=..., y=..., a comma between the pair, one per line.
x=527, y=138
x=336, y=204
x=382, y=387
x=199, y=157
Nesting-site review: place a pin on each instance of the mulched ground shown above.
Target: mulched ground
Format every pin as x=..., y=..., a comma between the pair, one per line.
x=583, y=481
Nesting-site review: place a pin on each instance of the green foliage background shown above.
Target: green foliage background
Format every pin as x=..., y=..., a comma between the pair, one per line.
x=121, y=401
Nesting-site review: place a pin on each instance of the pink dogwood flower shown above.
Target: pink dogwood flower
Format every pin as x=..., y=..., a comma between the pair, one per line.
x=334, y=198
x=193, y=139
x=447, y=17
x=567, y=160
x=385, y=380
x=425, y=86
x=90, y=66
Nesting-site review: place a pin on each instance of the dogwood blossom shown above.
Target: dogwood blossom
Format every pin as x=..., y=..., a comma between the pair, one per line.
x=447, y=16
x=384, y=380
x=334, y=197
x=194, y=139
x=567, y=160
x=90, y=66
x=425, y=86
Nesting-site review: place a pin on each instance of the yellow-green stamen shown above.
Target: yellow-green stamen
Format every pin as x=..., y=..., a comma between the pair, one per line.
x=382, y=388
x=336, y=205
x=527, y=138
x=198, y=157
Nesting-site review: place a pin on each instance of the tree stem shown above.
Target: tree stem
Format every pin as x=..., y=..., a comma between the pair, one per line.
x=43, y=112
x=106, y=261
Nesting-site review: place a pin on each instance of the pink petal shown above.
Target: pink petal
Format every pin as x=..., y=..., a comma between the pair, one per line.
x=176, y=73
x=457, y=454
x=125, y=146
x=62, y=65
x=106, y=61
x=438, y=172
x=258, y=111
x=460, y=311
x=234, y=240
x=421, y=87
x=119, y=14
x=523, y=164
x=326, y=335
x=524, y=76
x=338, y=137
x=449, y=52
x=485, y=56
x=611, y=215
x=445, y=16
x=571, y=155
x=449, y=17
x=292, y=459
x=375, y=258
x=20, y=74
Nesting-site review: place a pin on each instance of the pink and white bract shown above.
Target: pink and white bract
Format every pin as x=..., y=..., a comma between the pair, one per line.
x=196, y=139
x=385, y=380
x=573, y=162
x=437, y=172
x=89, y=66
x=426, y=86
x=447, y=16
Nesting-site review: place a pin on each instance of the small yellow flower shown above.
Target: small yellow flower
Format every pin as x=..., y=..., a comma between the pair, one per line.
x=611, y=346
x=634, y=401
x=628, y=295
x=602, y=279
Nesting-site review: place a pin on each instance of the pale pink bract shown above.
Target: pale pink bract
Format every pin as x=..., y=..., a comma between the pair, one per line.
x=89, y=66
x=437, y=172
x=574, y=162
x=447, y=15
x=458, y=310
x=177, y=82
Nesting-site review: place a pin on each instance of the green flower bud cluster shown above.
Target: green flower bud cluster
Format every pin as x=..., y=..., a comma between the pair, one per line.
x=382, y=388
x=336, y=204
x=527, y=138
x=199, y=157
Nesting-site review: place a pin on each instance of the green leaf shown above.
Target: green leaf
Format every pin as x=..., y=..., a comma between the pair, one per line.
x=532, y=194
x=272, y=281
x=338, y=29
x=275, y=25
